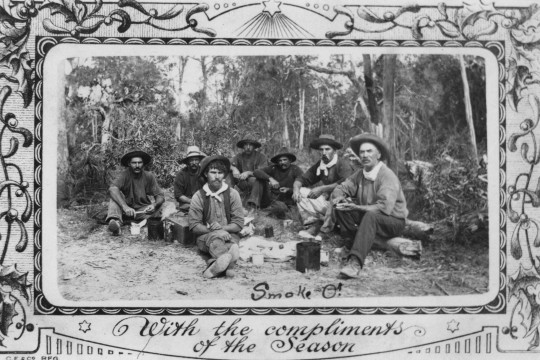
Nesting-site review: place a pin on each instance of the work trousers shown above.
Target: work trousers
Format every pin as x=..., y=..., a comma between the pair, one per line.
x=115, y=212
x=312, y=210
x=366, y=226
x=214, y=245
x=256, y=190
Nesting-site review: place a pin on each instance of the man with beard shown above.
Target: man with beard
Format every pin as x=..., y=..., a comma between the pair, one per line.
x=187, y=181
x=130, y=192
x=378, y=204
x=215, y=217
x=246, y=163
x=280, y=176
x=329, y=172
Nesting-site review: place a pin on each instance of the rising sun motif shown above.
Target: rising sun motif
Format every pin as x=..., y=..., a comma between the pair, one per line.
x=272, y=23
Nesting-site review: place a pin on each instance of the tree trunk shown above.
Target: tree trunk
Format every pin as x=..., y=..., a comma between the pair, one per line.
x=301, y=107
x=468, y=112
x=286, y=138
x=389, y=67
x=106, y=127
x=62, y=183
x=182, y=61
x=205, y=86
x=368, y=80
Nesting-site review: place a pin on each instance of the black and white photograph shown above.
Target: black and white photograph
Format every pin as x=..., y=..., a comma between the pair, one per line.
x=273, y=177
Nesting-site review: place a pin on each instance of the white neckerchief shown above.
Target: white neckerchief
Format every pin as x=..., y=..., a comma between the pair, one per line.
x=324, y=167
x=215, y=195
x=372, y=175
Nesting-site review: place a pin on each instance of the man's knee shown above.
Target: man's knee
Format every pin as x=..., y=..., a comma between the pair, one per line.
x=217, y=247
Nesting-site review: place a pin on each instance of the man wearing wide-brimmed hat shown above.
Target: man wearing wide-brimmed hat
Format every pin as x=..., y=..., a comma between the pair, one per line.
x=130, y=192
x=244, y=165
x=280, y=176
x=329, y=172
x=216, y=217
x=377, y=202
x=187, y=181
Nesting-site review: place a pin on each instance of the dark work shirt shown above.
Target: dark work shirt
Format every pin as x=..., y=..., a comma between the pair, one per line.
x=252, y=162
x=137, y=190
x=186, y=184
x=336, y=174
x=285, y=178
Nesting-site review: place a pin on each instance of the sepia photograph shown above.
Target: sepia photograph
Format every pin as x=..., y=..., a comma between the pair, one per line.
x=271, y=177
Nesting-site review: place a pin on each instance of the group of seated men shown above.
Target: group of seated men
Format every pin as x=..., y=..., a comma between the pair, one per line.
x=363, y=204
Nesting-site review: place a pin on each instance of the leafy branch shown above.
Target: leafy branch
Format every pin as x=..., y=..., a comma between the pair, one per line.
x=79, y=19
x=416, y=24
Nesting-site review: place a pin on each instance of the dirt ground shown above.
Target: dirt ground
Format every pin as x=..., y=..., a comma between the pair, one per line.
x=96, y=266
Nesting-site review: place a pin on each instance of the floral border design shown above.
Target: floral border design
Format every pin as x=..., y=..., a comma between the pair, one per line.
x=78, y=20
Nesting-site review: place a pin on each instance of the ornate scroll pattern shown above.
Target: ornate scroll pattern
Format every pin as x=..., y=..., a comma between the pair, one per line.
x=16, y=69
x=524, y=192
x=78, y=19
x=451, y=23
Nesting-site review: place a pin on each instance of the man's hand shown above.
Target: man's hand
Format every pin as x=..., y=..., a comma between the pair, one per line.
x=296, y=195
x=285, y=190
x=223, y=235
x=150, y=209
x=338, y=200
x=130, y=212
x=245, y=175
x=214, y=226
x=274, y=183
x=315, y=192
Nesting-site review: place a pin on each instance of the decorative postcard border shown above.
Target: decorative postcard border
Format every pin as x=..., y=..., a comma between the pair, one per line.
x=517, y=71
x=42, y=306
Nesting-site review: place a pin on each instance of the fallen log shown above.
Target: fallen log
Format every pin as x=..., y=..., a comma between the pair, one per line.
x=400, y=246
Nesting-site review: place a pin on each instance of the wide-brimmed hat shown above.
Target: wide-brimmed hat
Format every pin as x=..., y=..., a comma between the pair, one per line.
x=126, y=158
x=379, y=143
x=325, y=139
x=207, y=160
x=243, y=142
x=283, y=152
x=193, y=151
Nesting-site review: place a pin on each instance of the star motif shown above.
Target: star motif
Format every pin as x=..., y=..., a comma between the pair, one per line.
x=271, y=7
x=453, y=326
x=84, y=326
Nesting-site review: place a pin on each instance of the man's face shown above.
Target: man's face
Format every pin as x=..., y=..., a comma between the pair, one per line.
x=284, y=162
x=215, y=179
x=136, y=165
x=369, y=155
x=193, y=164
x=248, y=148
x=327, y=153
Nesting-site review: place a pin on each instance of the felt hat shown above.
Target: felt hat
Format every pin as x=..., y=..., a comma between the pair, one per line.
x=325, y=139
x=126, y=158
x=379, y=143
x=283, y=152
x=193, y=151
x=243, y=142
x=207, y=160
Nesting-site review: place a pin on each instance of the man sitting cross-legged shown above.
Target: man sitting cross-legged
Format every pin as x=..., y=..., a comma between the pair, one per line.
x=280, y=176
x=329, y=171
x=216, y=217
x=130, y=192
x=378, y=206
